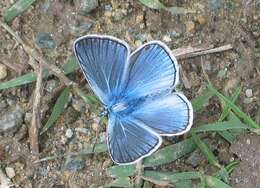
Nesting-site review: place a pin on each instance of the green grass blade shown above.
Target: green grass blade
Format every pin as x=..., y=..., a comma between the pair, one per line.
x=222, y=174
x=228, y=136
x=121, y=170
x=16, y=9
x=120, y=182
x=205, y=150
x=235, y=108
x=171, y=177
x=163, y=156
x=227, y=108
x=68, y=68
x=22, y=80
x=215, y=182
x=153, y=4
x=220, y=126
x=231, y=166
x=87, y=98
x=170, y=153
x=183, y=184
x=147, y=185
x=57, y=109
x=200, y=101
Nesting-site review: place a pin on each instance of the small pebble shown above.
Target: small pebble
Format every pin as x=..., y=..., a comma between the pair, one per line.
x=11, y=120
x=214, y=5
x=51, y=85
x=167, y=38
x=3, y=71
x=195, y=158
x=95, y=126
x=201, y=19
x=82, y=130
x=119, y=14
x=44, y=40
x=138, y=43
x=69, y=133
x=74, y=164
x=86, y=6
x=249, y=93
x=190, y=26
x=10, y=172
x=28, y=117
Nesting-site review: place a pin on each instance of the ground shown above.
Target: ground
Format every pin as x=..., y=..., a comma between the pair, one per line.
x=52, y=26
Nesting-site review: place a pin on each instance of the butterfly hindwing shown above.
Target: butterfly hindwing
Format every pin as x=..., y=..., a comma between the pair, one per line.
x=129, y=140
x=167, y=115
x=103, y=61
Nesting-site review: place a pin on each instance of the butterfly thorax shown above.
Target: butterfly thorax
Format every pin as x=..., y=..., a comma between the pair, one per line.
x=124, y=107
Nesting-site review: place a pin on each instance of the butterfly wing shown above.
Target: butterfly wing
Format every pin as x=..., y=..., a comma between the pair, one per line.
x=103, y=61
x=129, y=140
x=167, y=115
x=153, y=73
x=152, y=69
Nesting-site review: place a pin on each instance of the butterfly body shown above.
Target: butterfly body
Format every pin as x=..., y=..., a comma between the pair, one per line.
x=136, y=89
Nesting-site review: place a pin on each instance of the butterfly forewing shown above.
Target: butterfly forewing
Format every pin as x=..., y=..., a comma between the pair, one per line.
x=103, y=61
x=151, y=70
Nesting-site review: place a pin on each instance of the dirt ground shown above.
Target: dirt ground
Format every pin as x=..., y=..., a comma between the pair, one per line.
x=60, y=22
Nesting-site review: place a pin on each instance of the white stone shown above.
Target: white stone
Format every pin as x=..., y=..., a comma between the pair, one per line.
x=249, y=93
x=10, y=172
x=69, y=133
x=3, y=71
x=167, y=38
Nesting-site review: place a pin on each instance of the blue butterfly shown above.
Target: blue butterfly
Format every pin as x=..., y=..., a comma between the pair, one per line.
x=136, y=89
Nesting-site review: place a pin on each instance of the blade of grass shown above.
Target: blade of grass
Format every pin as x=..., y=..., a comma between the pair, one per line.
x=171, y=177
x=22, y=80
x=235, y=108
x=220, y=126
x=170, y=153
x=147, y=185
x=199, y=102
x=68, y=68
x=228, y=136
x=205, y=150
x=162, y=156
x=16, y=9
x=183, y=184
x=57, y=109
x=121, y=170
x=215, y=182
x=120, y=182
x=231, y=166
x=227, y=108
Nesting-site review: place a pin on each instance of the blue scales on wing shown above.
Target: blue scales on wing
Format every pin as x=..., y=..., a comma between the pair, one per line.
x=137, y=91
x=151, y=70
x=103, y=61
x=129, y=140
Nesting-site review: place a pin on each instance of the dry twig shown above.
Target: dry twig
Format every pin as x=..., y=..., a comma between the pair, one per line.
x=36, y=123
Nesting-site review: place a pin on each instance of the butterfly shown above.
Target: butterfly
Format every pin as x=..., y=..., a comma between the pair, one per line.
x=136, y=89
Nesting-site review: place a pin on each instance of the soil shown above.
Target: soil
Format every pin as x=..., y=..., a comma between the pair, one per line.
x=216, y=23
